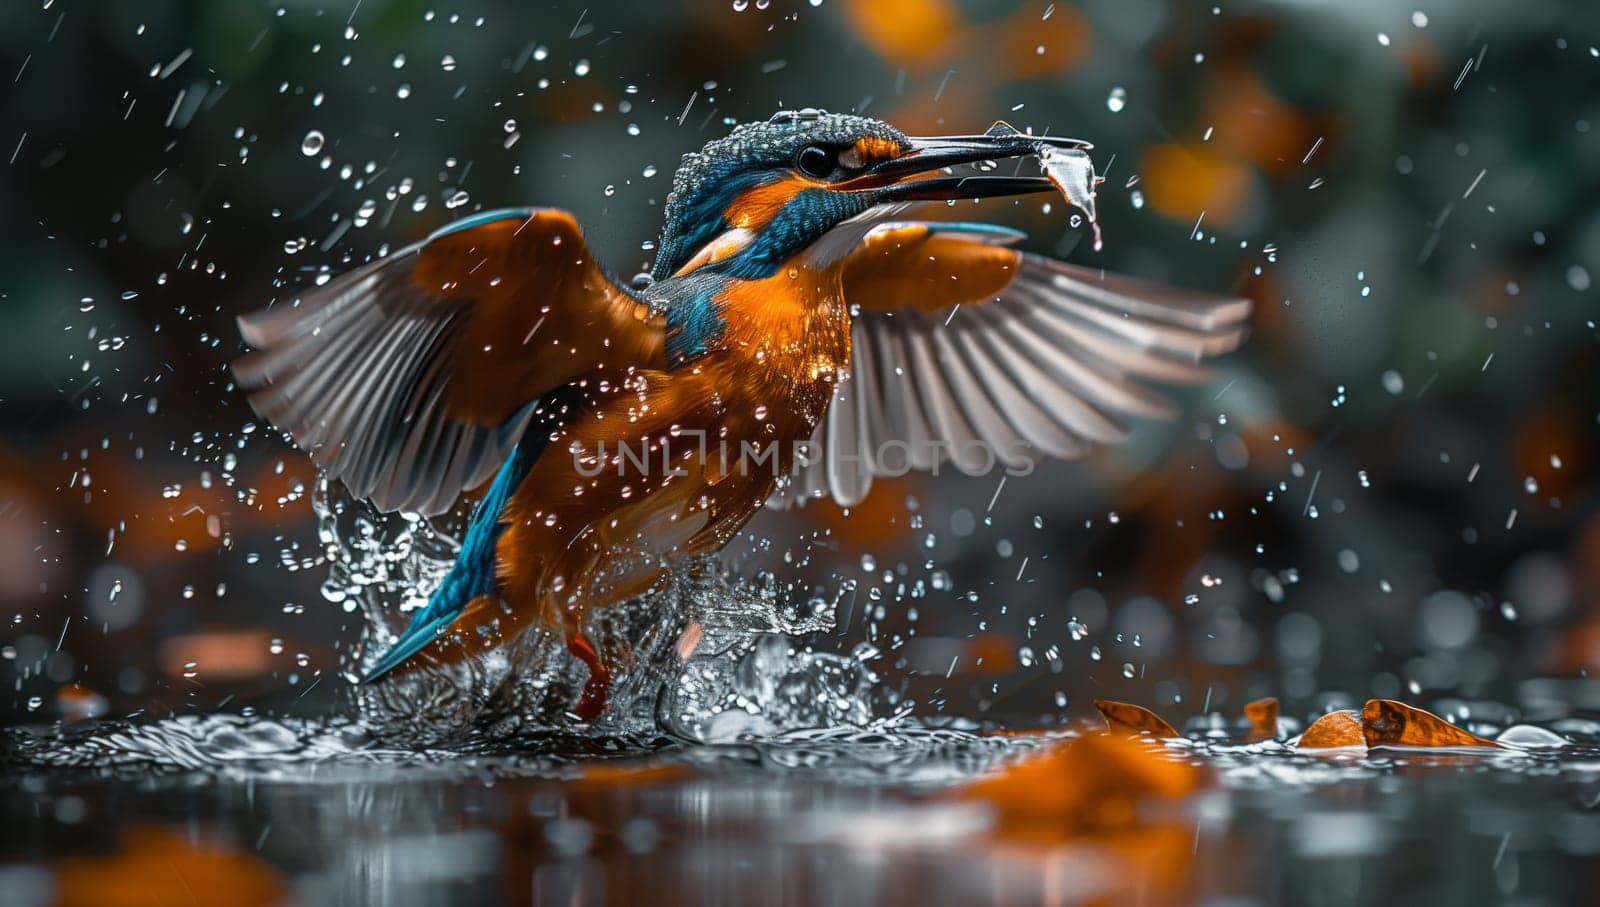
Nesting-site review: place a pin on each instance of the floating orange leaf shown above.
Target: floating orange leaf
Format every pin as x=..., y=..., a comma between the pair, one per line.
x=1127, y=718
x=1332, y=731
x=1263, y=715
x=1385, y=722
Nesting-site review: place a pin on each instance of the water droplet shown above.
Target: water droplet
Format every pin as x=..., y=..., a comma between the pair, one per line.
x=312, y=144
x=448, y=64
x=1117, y=100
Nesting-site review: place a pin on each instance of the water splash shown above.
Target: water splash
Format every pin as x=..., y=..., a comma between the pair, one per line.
x=710, y=658
x=707, y=656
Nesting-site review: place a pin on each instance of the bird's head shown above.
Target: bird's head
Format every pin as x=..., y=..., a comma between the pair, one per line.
x=749, y=201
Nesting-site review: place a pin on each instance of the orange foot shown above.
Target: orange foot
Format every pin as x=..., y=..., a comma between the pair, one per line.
x=597, y=689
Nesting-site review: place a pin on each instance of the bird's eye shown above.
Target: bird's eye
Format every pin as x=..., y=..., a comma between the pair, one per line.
x=814, y=160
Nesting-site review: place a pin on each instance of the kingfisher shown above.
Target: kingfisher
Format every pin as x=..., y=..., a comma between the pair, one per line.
x=801, y=331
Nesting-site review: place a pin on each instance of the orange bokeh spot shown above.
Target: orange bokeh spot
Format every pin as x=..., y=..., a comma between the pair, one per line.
x=991, y=653
x=1263, y=716
x=1550, y=431
x=879, y=518
x=909, y=33
x=219, y=653
x=1034, y=47
x=1253, y=124
x=157, y=866
x=1183, y=180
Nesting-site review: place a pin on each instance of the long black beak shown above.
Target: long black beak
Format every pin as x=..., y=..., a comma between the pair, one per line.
x=889, y=178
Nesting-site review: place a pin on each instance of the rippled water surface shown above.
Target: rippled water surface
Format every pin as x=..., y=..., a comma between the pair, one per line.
x=266, y=811
x=739, y=764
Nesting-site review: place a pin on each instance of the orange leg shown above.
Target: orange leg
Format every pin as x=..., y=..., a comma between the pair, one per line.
x=597, y=689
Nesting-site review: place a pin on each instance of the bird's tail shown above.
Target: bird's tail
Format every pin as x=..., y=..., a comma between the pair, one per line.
x=473, y=575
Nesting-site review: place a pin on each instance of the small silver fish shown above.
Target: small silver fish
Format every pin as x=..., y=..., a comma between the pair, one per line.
x=1072, y=172
x=1065, y=162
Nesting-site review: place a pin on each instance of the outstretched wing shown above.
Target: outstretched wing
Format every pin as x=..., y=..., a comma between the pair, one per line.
x=968, y=351
x=412, y=378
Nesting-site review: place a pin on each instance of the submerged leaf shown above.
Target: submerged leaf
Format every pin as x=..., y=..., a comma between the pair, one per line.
x=1334, y=730
x=1113, y=803
x=1385, y=722
x=158, y=865
x=1127, y=718
x=612, y=774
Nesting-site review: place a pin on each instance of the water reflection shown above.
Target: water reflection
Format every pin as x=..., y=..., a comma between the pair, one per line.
x=249, y=811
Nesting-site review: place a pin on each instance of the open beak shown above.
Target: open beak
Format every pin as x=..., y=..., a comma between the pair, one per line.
x=909, y=176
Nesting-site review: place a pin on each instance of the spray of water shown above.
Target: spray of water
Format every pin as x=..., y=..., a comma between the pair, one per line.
x=709, y=656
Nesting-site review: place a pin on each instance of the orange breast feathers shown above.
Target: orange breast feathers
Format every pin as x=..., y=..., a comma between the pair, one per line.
x=671, y=464
x=793, y=324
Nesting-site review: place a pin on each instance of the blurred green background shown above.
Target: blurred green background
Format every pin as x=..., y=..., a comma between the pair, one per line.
x=1389, y=491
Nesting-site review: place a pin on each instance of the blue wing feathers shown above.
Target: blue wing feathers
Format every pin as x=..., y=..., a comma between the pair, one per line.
x=479, y=219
